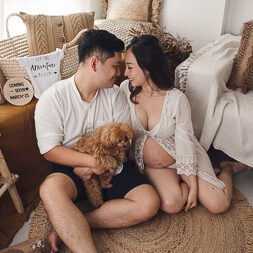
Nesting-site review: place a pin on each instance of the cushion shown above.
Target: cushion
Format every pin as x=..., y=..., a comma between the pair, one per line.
x=135, y=10
x=46, y=33
x=242, y=70
x=2, y=82
x=122, y=28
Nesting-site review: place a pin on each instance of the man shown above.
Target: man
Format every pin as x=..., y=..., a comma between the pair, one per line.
x=65, y=112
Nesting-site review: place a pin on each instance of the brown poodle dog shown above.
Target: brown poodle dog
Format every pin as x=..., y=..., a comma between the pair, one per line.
x=108, y=144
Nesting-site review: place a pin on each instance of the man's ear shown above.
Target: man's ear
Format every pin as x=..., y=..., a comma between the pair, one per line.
x=94, y=62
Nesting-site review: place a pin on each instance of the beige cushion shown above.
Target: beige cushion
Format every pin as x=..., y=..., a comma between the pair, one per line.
x=135, y=10
x=122, y=28
x=46, y=33
x=242, y=71
x=2, y=82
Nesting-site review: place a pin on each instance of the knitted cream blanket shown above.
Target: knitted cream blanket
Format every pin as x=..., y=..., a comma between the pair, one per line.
x=220, y=116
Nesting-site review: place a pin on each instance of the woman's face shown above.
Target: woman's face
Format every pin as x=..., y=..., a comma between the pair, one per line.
x=133, y=71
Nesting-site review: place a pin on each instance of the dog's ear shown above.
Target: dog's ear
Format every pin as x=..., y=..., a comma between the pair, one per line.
x=128, y=130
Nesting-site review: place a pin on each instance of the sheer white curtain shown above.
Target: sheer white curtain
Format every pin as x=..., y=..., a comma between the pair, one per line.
x=48, y=7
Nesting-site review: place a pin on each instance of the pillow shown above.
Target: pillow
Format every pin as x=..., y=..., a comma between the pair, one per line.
x=242, y=70
x=2, y=82
x=135, y=10
x=46, y=33
x=122, y=28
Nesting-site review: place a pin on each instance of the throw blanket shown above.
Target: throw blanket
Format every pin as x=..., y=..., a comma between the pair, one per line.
x=220, y=116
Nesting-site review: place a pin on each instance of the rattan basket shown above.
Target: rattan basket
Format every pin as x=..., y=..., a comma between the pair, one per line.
x=17, y=46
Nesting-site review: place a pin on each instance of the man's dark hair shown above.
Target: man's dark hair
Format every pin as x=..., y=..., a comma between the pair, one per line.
x=100, y=43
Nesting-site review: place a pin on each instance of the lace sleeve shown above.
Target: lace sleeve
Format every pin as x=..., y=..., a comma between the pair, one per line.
x=186, y=161
x=186, y=166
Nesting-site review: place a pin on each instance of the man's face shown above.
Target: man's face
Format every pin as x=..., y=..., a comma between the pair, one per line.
x=109, y=70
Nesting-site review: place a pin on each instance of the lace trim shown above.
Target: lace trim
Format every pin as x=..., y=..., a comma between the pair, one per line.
x=168, y=144
x=187, y=168
x=138, y=152
x=181, y=76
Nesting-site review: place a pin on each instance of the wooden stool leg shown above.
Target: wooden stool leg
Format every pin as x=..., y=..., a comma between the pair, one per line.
x=12, y=189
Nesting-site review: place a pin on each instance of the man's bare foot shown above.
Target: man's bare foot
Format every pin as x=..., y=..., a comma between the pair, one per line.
x=234, y=167
x=54, y=241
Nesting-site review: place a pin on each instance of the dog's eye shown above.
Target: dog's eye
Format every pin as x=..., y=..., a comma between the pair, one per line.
x=126, y=138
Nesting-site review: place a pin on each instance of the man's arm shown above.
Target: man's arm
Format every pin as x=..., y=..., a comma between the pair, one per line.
x=70, y=157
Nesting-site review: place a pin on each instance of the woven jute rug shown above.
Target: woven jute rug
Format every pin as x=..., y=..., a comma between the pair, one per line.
x=194, y=231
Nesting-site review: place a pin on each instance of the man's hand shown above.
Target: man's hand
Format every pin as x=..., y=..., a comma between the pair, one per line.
x=85, y=173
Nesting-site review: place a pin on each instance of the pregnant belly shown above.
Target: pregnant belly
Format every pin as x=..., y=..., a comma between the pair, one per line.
x=155, y=156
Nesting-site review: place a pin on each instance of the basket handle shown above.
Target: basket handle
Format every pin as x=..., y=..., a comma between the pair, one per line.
x=75, y=41
x=7, y=21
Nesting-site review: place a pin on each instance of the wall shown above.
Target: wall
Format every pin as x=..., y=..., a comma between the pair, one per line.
x=200, y=21
x=1, y=18
x=239, y=12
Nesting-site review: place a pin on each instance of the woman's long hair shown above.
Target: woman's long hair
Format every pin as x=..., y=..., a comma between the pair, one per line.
x=149, y=56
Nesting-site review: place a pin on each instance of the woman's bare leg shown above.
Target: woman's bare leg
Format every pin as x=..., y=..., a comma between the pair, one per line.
x=215, y=199
x=172, y=192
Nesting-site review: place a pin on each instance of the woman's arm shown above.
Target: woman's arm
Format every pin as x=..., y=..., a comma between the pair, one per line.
x=186, y=161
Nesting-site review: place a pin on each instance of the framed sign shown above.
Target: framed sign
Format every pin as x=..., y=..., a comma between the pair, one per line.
x=18, y=91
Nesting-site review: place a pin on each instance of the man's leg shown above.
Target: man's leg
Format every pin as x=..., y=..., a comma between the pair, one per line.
x=131, y=200
x=140, y=204
x=57, y=193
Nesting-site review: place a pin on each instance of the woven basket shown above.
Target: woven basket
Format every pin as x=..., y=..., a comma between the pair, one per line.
x=17, y=46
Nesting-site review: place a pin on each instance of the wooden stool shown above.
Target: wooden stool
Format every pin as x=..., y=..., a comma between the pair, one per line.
x=7, y=180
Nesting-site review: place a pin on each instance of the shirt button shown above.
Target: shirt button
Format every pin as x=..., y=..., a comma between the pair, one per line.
x=62, y=39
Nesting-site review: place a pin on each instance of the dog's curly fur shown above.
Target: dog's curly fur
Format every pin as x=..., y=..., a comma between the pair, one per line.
x=108, y=144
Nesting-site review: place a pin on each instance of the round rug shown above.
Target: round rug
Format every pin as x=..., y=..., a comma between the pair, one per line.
x=194, y=231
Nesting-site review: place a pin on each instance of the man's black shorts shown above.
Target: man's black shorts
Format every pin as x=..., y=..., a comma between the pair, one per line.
x=122, y=183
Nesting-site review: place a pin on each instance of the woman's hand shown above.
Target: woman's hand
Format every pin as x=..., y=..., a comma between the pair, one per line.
x=192, y=195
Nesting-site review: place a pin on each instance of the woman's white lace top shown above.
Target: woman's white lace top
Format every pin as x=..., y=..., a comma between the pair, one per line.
x=175, y=135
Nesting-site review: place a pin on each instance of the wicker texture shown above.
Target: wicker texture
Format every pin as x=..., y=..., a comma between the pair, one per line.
x=135, y=10
x=2, y=82
x=122, y=28
x=196, y=231
x=11, y=68
x=46, y=33
x=242, y=71
x=16, y=46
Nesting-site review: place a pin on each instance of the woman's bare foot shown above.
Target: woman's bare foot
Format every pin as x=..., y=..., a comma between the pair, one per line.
x=54, y=241
x=217, y=171
x=235, y=167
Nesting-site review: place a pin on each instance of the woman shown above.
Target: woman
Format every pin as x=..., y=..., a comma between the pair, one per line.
x=165, y=148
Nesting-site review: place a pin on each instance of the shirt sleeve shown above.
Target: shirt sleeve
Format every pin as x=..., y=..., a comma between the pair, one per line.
x=48, y=123
x=121, y=112
x=186, y=161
